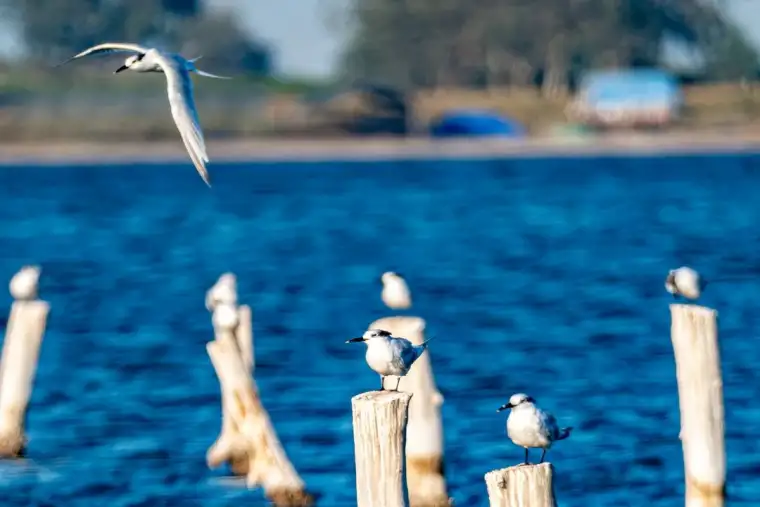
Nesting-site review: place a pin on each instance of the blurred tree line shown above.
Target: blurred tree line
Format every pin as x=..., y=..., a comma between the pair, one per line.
x=56, y=29
x=548, y=43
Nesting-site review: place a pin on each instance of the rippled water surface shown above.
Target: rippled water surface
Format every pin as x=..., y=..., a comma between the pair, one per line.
x=543, y=276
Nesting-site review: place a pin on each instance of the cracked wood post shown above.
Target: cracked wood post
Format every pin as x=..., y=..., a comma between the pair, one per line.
x=229, y=447
x=21, y=348
x=424, y=440
x=230, y=323
x=521, y=486
x=255, y=438
x=379, y=421
x=694, y=332
x=244, y=337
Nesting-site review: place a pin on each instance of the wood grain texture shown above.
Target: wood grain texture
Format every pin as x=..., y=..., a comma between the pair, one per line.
x=254, y=436
x=21, y=349
x=379, y=421
x=694, y=332
x=521, y=486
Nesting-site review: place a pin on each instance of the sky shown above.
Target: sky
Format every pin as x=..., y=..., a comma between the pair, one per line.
x=308, y=46
x=308, y=34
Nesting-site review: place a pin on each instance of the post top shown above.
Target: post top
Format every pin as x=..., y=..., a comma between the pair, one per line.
x=541, y=469
x=225, y=316
x=381, y=397
x=696, y=310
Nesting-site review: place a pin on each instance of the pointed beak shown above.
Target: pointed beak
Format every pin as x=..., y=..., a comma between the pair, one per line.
x=355, y=340
x=122, y=68
x=504, y=407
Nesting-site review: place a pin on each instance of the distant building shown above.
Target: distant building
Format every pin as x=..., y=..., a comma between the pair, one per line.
x=626, y=98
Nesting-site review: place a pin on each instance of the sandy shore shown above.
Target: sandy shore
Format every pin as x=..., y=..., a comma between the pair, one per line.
x=251, y=150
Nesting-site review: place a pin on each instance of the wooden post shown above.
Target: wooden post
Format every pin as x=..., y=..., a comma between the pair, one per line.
x=379, y=419
x=23, y=338
x=268, y=466
x=694, y=332
x=424, y=441
x=521, y=486
x=229, y=446
x=244, y=337
x=234, y=324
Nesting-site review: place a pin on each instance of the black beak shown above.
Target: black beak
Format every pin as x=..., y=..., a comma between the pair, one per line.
x=123, y=67
x=355, y=340
x=504, y=407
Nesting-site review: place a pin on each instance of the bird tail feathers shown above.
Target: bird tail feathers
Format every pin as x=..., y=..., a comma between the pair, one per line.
x=564, y=433
x=208, y=74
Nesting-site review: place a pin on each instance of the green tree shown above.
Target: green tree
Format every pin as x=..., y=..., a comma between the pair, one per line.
x=493, y=42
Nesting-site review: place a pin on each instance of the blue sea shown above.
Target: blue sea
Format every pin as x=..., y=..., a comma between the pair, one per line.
x=542, y=276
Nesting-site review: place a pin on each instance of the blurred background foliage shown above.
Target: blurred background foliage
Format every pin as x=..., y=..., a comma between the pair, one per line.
x=404, y=62
x=459, y=43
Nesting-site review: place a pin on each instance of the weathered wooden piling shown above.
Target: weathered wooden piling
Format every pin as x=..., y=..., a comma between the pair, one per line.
x=254, y=436
x=521, y=486
x=424, y=435
x=244, y=337
x=379, y=420
x=247, y=441
x=229, y=447
x=694, y=332
x=21, y=348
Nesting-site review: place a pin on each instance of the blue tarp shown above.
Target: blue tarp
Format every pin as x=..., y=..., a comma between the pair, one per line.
x=474, y=123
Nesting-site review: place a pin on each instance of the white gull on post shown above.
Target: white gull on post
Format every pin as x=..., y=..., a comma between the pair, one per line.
x=530, y=427
x=685, y=282
x=388, y=355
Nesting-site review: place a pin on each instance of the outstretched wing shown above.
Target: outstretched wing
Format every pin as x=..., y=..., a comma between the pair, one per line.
x=108, y=47
x=179, y=87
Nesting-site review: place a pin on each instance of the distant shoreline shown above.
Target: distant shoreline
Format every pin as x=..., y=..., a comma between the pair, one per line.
x=358, y=149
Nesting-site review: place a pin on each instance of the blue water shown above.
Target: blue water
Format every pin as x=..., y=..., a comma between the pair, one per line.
x=544, y=276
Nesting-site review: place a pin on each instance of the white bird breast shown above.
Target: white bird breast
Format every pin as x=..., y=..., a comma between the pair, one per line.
x=524, y=428
x=379, y=357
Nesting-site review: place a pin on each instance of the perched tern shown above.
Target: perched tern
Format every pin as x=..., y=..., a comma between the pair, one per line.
x=24, y=284
x=224, y=292
x=388, y=355
x=530, y=427
x=179, y=87
x=689, y=284
x=395, y=292
x=685, y=282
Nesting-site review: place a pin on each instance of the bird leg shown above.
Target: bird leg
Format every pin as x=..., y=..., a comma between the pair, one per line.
x=398, y=382
x=542, y=456
x=382, y=383
x=526, y=457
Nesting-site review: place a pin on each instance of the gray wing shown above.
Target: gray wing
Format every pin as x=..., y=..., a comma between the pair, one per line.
x=109, y=47
x=406, y=351
x=179, y=86
x=549, y=425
